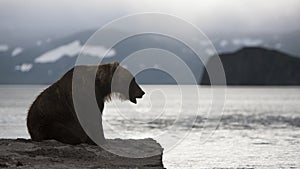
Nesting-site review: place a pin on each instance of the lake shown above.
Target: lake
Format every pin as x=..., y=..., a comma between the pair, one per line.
x=259, y=127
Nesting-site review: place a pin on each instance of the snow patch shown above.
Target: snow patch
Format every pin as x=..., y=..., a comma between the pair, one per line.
x=210, y=51
x=25, y=67
x=98, y=51
x=39, y=43
x=156, y=66
x=223, y=43
x=55, y=54
x=73, y=49
x=142, y=66
x=205, y=43
x=16, y=51
x=3, y=48
x=50, y=72
x=247, y=42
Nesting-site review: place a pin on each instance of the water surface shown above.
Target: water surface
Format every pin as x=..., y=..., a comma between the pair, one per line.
x=260, y=126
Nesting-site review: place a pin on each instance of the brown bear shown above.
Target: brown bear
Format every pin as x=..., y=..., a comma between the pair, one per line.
x=52, y=114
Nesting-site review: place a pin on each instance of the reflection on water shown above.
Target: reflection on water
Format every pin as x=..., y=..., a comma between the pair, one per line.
x=260, y=127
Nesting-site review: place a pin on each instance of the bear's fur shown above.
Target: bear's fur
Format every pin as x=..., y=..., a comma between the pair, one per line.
x=52, y=114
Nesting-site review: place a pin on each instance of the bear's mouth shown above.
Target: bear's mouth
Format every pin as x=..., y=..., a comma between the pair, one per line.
x=133, y=100
x=140, y=95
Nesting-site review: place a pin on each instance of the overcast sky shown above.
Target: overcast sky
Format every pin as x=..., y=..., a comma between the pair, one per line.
x=217, y=15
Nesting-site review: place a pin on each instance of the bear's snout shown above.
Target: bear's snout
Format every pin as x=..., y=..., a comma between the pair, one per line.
x=135, y=92
x=140, y=94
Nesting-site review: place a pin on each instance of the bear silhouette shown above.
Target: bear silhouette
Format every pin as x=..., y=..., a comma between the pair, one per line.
x=52, y=114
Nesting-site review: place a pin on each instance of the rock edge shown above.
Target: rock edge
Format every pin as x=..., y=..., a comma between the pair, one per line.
x=22, y=153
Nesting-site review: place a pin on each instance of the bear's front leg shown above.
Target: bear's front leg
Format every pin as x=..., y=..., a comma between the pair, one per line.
x=63, y=133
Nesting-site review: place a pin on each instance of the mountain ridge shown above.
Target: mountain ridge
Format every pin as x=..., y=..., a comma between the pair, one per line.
x=46, y=73
x=257, y=66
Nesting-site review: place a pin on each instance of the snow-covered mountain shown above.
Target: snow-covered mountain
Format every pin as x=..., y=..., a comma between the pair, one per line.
x=46, y=60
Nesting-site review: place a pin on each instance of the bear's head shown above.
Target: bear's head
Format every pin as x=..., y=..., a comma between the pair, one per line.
x=123, y=83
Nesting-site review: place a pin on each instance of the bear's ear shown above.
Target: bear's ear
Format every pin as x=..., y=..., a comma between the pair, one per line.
x=115, y=65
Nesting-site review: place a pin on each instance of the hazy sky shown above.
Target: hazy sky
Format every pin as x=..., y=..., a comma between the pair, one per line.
x=216, y=15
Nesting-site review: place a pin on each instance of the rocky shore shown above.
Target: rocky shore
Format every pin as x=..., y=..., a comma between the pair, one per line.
x=22, y=153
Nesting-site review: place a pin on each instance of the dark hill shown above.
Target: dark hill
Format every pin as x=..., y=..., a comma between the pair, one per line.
x=258, y=66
